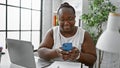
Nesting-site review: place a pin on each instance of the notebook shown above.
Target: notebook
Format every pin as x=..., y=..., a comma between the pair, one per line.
x=21, y=53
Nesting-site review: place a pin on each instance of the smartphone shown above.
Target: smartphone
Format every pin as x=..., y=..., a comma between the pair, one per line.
x=67, y=46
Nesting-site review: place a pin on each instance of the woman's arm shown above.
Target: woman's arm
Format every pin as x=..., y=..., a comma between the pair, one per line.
x=45, y=50
x=88, y=51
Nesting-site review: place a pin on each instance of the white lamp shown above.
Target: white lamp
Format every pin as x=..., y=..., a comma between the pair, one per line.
x=110, y=39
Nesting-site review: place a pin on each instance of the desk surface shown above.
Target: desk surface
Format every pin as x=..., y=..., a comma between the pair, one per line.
x=5, y=62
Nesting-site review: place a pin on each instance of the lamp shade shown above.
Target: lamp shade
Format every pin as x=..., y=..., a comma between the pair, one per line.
x=110, y=39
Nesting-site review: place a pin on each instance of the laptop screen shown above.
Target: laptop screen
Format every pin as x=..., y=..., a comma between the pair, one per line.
x=21, y=53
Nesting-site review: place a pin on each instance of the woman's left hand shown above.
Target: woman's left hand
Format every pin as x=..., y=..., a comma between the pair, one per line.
x=73, y=54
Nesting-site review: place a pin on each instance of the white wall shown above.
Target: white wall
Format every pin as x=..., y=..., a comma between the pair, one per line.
x=47, y=16
x=56, y=4
x=49, y=6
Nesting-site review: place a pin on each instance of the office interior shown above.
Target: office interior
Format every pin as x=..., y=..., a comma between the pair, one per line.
x=29, y=20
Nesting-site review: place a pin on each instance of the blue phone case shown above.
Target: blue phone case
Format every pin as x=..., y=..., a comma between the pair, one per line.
x=67, y=46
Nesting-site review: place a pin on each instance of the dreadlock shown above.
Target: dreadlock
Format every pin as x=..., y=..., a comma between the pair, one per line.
x=66, y=5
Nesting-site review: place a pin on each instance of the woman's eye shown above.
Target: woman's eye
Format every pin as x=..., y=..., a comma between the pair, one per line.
x=70, y=19
x=62, y=19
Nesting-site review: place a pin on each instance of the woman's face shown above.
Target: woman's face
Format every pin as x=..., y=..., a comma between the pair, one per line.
x=66, y=18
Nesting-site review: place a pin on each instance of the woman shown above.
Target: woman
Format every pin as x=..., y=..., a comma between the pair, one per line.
x=83, y=49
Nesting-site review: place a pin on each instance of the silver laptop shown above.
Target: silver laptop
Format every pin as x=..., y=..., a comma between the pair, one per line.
x=21, y=53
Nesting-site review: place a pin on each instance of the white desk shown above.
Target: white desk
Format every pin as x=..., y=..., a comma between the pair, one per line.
x=5, y=62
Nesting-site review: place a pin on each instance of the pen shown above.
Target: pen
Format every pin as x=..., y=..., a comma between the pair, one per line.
x=2, y=53
x=46, y=66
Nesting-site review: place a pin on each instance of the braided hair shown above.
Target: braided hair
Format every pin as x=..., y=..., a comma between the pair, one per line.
x=67, y=6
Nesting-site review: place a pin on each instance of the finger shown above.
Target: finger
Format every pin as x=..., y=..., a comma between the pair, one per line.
x=70, y=51
x=60, y=47
x=74, y=47
x=72, y=57
x=65, y=57
x=58, y=52
x=75, y=50
x=65, y=52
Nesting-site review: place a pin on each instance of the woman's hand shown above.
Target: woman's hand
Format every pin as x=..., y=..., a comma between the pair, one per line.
x=65, y=55
x=69, y=55
x=62, y=53
x=73, y=54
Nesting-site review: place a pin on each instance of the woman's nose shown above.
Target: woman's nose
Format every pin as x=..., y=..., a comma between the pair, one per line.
x=66, y=23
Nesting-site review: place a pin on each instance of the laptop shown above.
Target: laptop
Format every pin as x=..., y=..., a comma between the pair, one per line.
x=21, y=53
